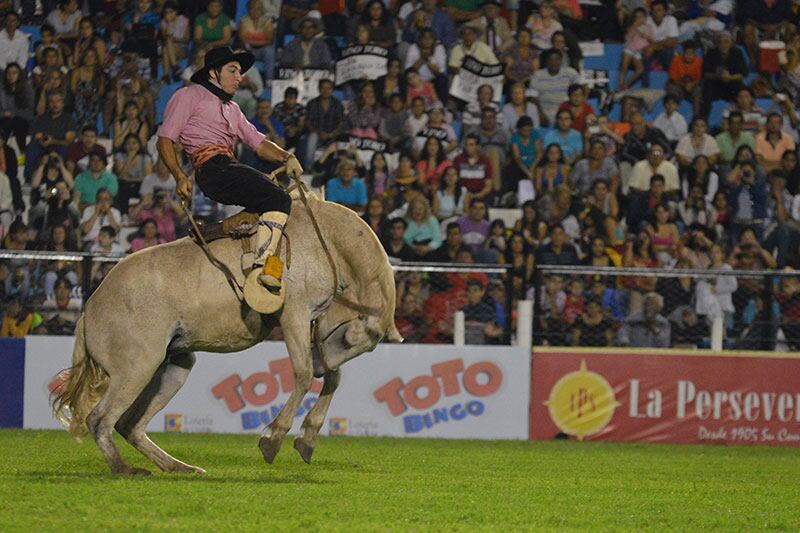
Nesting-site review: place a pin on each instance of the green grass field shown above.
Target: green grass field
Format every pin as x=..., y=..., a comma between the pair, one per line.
x=48, y=482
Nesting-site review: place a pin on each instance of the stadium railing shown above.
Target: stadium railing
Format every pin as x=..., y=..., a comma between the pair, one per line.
x=720, y=309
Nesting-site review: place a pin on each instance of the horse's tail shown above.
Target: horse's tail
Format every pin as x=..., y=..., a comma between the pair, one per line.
x=78, y=389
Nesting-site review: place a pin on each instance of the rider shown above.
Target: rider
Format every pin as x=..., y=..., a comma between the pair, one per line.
x=208, y=124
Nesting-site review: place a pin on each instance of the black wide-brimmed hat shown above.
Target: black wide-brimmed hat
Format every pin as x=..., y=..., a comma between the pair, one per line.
x=219, y=56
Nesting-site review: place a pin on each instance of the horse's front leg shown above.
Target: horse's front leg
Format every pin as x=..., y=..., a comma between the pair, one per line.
x=313, y=421
x=298, y=342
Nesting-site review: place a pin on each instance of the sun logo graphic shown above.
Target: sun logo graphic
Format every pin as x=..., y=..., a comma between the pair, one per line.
x=338, y=426
x=173, y=423
x=581, y=403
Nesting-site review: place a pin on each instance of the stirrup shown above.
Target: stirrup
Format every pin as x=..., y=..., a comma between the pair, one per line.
x=264, y=299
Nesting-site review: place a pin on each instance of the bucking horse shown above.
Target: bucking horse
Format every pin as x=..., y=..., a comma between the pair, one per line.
x=135, y=342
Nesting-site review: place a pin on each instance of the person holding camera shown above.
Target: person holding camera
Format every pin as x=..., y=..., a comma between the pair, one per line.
x=52, y=131
x=98, y=216
x=747, y=197
x=161, y=208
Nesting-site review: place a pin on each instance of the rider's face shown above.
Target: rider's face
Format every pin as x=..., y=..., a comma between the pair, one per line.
x=229, y=77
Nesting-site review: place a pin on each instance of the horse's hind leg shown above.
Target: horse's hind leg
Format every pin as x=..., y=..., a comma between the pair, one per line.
x=123, y=389
x=304, y=444
x=166, y=382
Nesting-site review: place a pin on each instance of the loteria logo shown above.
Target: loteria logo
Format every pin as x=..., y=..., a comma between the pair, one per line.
x=581, y=403
x=448, y=378
x=338, y=426
x=173, y=423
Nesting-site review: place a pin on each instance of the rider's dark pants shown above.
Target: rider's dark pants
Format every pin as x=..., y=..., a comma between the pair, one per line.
x=227, y=181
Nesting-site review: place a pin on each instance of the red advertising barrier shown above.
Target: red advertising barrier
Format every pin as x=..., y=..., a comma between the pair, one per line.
x=665, y=396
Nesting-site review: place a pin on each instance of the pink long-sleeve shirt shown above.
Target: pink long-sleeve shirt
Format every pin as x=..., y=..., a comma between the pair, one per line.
x=197, y=118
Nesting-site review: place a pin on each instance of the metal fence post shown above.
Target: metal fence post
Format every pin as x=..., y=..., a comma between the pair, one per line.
x=768, y=329
x=86, y=282
x=537, y=305
x=459, y=330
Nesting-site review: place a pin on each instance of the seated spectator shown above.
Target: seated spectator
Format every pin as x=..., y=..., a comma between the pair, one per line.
x=639, y=36
x=597, y=166
x=551, y=172
x=292, y=115
x=131, y=167
x=129, y=85
x=603, y=210
x=640, y=139
x=97, y=216
x=480, y=317
x=551, y=307
x=88, y=39
x=670, y=122
x=474, y=169
x=395, y=244
x=346, y=188
x=702, y=175
x=592, y=327
x=174, y=40
x=88, y=87
x=747, y=197
x=688, y=331
x=148, y=236
x=772, y=143
x=493, y=140
x=391, y=83
x=257, y=33
x=17, y=320
x=641, y=206
x=140, y=25
x=96, y=177
x=790, y=168
x=364, y=118
x=517, y=107
x=452, y=246
x=432, y=165
x=378, y=175
x=130, y=123
x=54, y=208
x=715, y=297
x=558, y=251
x=475, y=229
x=307, y=50
x=578, y=107
x=212, y=28
x=526, y=153
x=522, y=60
x=417, y=118
x=543, y=25
x=648, y=328
x=644, y=170
x=416, y=87
x=16, y=104
x=665, y=35
x=78, y=151
x=376, y=218
x=473, y=112
x=470, y=45
x=54, y=130
x=435, y=126
x=423, y=233
x=409, y=319
x=106, y=244
x=405, y=175
x=569, y=140
x=519, y=258
x=704, y=16
x=164, y=211
x=61, y=310
x=325, y=120
x=65, y=20
x=58, y=239
x=552, y=84
x=696, y=143
x=696, y=210
x=51, y=171
x=14, y=44
x=735, y=137
x=664, y=236
x=393, y=123
x=724, y=69
x=452, y=198
x=686, y=76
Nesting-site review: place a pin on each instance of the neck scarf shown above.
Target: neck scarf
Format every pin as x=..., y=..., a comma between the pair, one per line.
x=216, y=90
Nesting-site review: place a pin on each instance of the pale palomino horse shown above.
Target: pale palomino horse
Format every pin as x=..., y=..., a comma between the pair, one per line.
x=134, y=343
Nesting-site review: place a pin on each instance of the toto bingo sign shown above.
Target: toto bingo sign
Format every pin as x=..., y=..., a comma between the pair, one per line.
x=675, y=397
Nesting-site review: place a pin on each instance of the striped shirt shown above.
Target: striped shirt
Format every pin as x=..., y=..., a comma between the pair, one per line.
x=552, y=89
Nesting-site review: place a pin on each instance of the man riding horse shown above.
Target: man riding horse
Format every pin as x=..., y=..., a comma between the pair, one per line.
x=208, y=124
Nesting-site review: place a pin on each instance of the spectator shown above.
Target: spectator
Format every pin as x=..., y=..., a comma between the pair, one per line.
x=686, y=76
x=61, y=310
x=423, y=233
x=714, y=299
x=640, y=36
x=755, y=118
x=772, y=143
x=558, y=251
x=48, y=174
x=131, y=166
x=706, y=16
x=578, y=108
x=58, y=239
x=417, y=119
x=293, y=117
x=106, y=245
x=696, y=210
x=432, y=164
x=664, y=236
x=646, y=329
x=89, y=182
x=148, y=236
x=696, y=143
x=495, y=28
x=552, y=84
x=16, y=105
x=474, y=169
x=665, y=35
x=452, y=198
x=416, y=87
x=17, y=321
x=128, y=86
x=393, y=124
x=452, y=246
x=364, y=119
x=791, y=169
x=54, y=130
x=88, y=87
x=55, y=208
x=307, y=51
x=479, y=316
x=98, y=216
x=212, y=28
x=655, y=163
x=471, y=117
x=570, y=49
x=593, y=327
x=544, y=25
x=257, y=33
x=640, y=139
x=597, y=166
x=378, y=175
x=14, y=44
x=731, y=140
x=551, y=303
x=380, y=23
x=174, y=40
x=470, y=45
x=391, y=84
x=65, y=20
x=325, y=119
x=79, y=150
x=687, y=330
x=670, y=122
x=520, y=259
x=567, y=139
x=395, y=245
x=160, y=180
x=346, y=188
x=141, y=24
x=724, y=69
x=88, y=39
x=130, y=123
x=376, y=218
x=435, y=126
x=551, y=172
x=603, y=210
x=522, y=60
x=494, y=142
x=601, y=255
x=409, y=319
x=518, y=107
x=475, y=229
x=526, y=153
x=747, y=197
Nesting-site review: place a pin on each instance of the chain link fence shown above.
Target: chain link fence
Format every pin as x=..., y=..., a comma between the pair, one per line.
x=51, y=288
x=665, y=308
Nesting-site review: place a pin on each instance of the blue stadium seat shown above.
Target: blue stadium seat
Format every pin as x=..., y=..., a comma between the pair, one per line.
x=766, y=104
x=287, y=39
x=164, y=95
x=685, y=109
x=658, y=80
x=717, y=109
x=34, y=31
x=241, y=10
x=610, y=60
x=657, y=110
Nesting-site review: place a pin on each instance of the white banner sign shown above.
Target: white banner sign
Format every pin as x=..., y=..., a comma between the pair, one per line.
x=472, y=75
x=361, y=62
x=474, y=392
x=306, y=82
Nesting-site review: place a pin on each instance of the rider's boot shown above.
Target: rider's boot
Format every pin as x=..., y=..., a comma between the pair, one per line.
x=268, y=236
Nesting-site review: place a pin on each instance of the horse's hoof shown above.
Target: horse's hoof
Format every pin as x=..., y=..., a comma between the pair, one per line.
x=269, y=448
x=133, y=471
x=188, y=469
x=304, y=449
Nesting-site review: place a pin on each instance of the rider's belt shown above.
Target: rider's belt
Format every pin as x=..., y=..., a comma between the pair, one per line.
x=200, y=157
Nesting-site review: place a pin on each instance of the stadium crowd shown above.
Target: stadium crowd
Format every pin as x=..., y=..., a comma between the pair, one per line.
x=681, y=155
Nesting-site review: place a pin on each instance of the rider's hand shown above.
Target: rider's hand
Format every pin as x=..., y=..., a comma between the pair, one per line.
x=184, y=188
x=293, y=168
